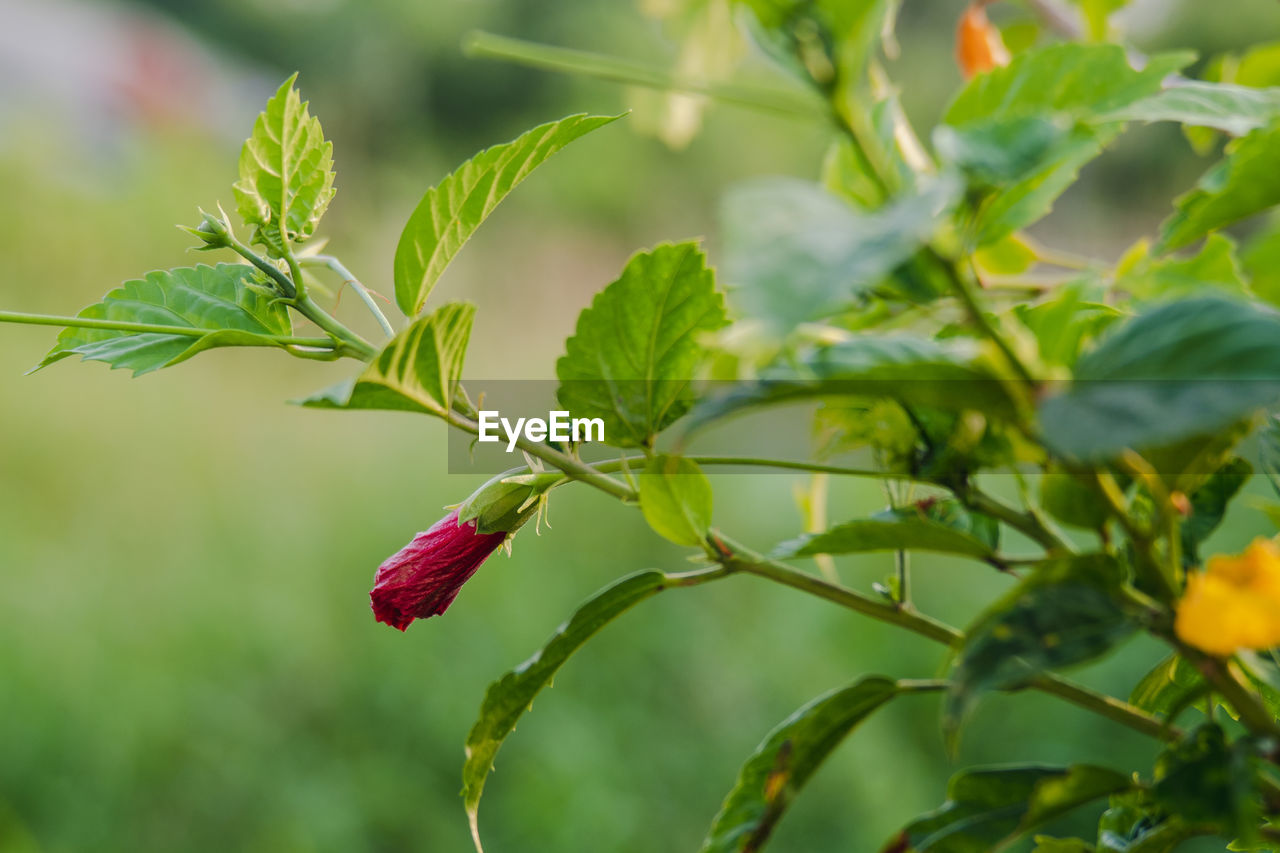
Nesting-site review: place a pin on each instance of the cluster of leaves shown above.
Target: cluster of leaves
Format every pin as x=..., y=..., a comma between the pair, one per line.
x=898, y=302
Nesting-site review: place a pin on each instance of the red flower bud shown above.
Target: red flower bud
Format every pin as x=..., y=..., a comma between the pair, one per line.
x=424, y=577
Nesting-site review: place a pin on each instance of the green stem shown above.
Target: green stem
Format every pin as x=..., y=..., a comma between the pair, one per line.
x=672, y=580
x=283, y=283
x=738, y=558
x=1027, y=523
x=1167, y=513
x=902, y=568
x=295, y=273
x=363, y=292
x=1106, y=706
x=145, y=328
x=574, y=468
x=1147, y=562
x=548, y=58
x=783, y=464
x=901, y=558
x=1247, y=704
x=1219, y=673
x=922, y=685
x=296, y=296
x=733, y=557
x=964, y=292
x=308, y=308
x=815, y=511
x=1060, y=257
x=1024, y=522
x=853, y=119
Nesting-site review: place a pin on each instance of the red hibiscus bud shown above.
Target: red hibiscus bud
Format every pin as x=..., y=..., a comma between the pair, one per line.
x=424, y=577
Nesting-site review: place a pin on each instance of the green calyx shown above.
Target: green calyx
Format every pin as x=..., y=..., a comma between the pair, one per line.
x=506, y=502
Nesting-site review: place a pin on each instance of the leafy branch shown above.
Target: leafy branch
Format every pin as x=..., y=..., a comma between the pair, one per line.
x=865, y=299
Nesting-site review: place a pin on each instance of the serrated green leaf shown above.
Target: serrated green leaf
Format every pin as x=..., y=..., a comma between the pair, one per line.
x=418, y=371
x=817, y=40
x=1222, y=106
x=1185, y=466
x=1213, y=267
x=989, y=809
x=286, y=172
x=794, y=252
x=1022, y=124
x=953, y=514
x=1209, y=506
x=843, y=16
x=1071, y=499
x=1174, y=685
x=1169, y=688
x=1011, y=255
x=1260, y=260
x=1243, y=184
x=1269, y=450
x=784, y=762
x=881, y=425
x=998, y=151
x=1066, y=612
x=1263, y=675
x=1203, y=779
x=947, y=374
x=1017, y=166
x=1031, y=197
x=1176, y=371
x=1162, y=838
x=1063, y=324
x=1135, y=824
x=1079, y=81
x=845, y=174
x=229, y=300
x=675, y=498
x=509, y=697
x=904, y=529
x=636, y=349
x=452, y=210
x=1259, y=66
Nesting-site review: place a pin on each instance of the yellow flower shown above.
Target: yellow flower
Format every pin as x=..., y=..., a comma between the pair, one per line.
x=1235, y=603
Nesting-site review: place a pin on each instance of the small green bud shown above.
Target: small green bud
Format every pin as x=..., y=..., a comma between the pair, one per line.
x=214, y=232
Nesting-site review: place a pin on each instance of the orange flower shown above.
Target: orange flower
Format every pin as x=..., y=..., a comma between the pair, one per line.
x=979, y=46
x=1235, y=603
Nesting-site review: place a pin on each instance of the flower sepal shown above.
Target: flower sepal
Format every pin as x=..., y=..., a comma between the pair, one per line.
x=508, y=501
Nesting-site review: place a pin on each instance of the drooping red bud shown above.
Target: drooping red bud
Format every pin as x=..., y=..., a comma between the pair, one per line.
x=424, y=577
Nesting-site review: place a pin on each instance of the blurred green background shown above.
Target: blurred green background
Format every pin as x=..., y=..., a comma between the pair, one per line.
x=187, y=657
